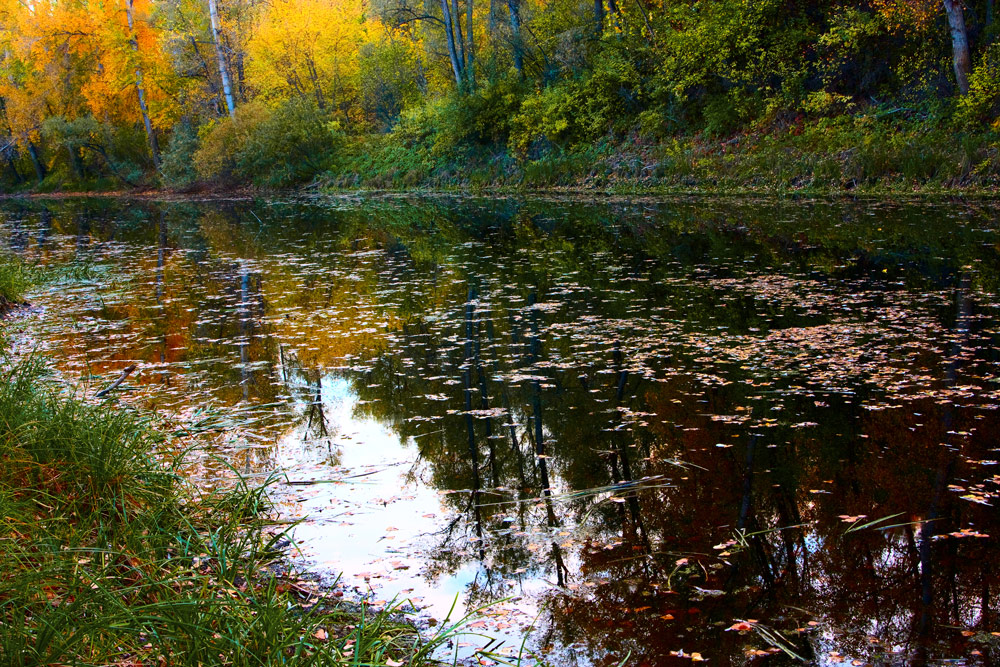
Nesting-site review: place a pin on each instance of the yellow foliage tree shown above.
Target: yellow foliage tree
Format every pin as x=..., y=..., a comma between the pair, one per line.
x=310, y=49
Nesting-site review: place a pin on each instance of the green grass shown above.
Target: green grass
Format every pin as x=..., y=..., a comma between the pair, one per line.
x=15, y=278
x=110, y=558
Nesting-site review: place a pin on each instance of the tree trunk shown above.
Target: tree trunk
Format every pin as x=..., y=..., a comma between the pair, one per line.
x=13, y=166
x=514, y=7
x=456, y=20
x=39, y=167
x=227, y=89
x=317, y=87
x=154, y=146
x=449, y=35
x=470, y=71
x=208, y=72
x=241, y=87
x=959, y=44
x=74, y=161
x=599, y=17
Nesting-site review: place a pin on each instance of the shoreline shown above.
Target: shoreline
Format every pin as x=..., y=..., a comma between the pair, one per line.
x=554, y=193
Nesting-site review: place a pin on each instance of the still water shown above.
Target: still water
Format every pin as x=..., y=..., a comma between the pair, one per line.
x=746, y=432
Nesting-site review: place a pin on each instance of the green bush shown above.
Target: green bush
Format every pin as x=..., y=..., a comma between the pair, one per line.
x=84, y=153
x=584, y=109
x=982, y=105
x=389, y=81
x=268, y=147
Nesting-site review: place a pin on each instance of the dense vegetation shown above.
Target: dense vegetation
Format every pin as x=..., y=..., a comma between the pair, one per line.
x=401, y=93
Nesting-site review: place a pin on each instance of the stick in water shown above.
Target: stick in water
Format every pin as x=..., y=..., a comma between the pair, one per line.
x=114, y=385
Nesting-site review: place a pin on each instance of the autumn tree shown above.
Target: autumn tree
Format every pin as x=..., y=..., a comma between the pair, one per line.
x=310, y=49
x=450, y=22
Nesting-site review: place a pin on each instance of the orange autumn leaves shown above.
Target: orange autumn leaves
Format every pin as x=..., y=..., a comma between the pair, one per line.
x=75, y=59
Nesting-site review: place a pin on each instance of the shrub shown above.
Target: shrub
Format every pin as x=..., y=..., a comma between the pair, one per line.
x=982, y=104
x=85, y=150
x=268, y=147
x=579, y=110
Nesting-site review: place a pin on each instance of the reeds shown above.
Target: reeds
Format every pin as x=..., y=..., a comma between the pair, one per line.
x=14, y=282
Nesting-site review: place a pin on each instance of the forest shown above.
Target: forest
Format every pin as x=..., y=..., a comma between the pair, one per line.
x=897, y=95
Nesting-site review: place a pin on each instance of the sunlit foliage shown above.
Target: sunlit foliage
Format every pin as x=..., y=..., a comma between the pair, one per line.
x=90, y=90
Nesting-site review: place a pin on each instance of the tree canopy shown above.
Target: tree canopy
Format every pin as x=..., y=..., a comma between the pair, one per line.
x=91, y=88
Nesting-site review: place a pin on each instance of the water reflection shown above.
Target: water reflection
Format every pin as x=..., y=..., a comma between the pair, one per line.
x=747, y=431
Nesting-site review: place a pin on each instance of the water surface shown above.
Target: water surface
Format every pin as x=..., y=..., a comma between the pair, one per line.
x=741, y=431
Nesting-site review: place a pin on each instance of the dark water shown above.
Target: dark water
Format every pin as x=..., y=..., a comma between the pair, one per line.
x=746, y=432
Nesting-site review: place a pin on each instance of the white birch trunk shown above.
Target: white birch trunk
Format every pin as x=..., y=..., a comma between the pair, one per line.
x=449, y=38
x=227, y=89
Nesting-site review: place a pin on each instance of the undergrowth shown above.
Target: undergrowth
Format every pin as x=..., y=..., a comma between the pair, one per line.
x=865, y=153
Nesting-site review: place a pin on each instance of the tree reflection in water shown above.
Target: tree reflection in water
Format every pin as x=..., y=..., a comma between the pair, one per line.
x=651, y=422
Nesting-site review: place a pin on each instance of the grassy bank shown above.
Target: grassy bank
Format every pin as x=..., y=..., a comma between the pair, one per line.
x=881, y=150
x=111, y=558
x=864, y=154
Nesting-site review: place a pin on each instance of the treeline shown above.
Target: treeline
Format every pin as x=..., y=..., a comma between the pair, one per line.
x=188, y=93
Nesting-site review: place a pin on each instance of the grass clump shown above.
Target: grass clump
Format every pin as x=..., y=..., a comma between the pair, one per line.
x=110, y=558
x=14, y=282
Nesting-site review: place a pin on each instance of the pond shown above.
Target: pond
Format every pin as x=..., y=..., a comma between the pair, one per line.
x=651, y=431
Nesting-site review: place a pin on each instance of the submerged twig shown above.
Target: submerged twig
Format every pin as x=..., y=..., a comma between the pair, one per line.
x=114, y=385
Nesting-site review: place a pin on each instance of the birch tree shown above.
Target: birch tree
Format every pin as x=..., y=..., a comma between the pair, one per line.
x=961, y=61
x=227, y=88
